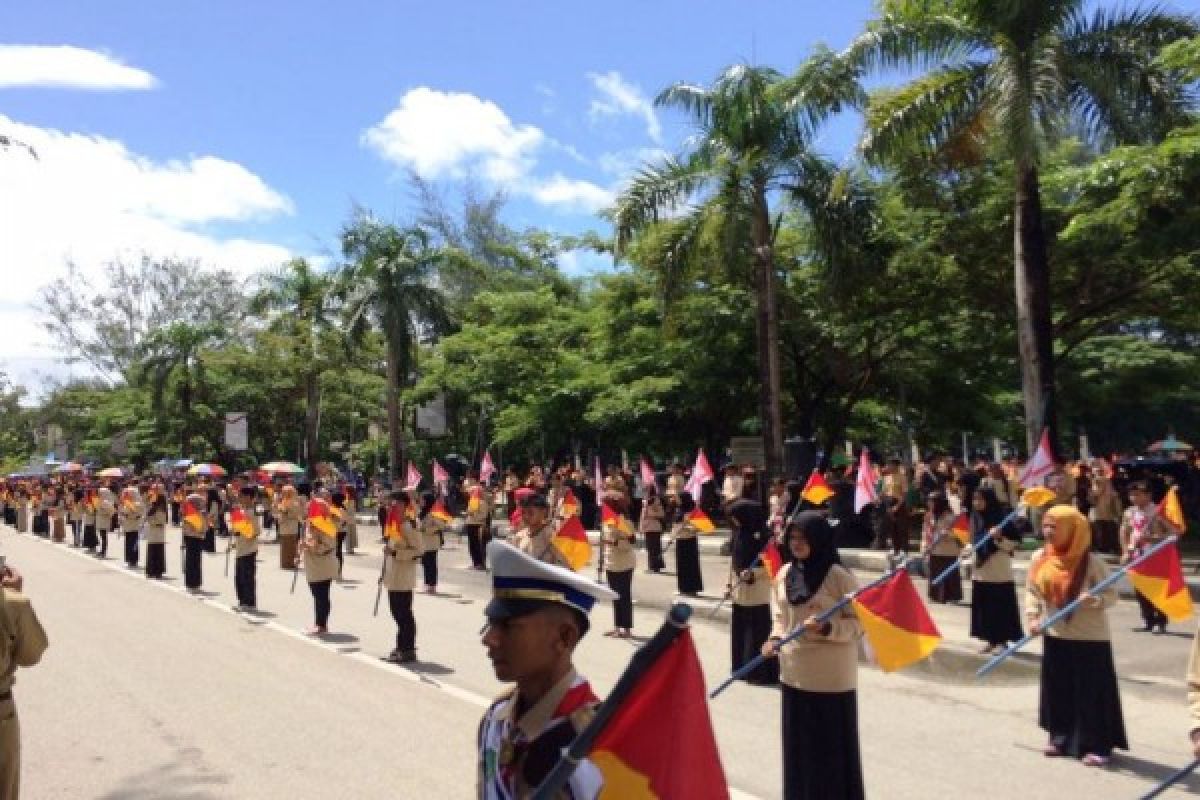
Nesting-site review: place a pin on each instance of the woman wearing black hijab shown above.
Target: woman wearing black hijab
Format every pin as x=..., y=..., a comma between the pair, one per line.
x=995, y=617
x=687, y=550
x=819, y=670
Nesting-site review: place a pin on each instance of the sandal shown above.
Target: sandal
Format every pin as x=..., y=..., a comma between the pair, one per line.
x=1051, y=750
x=1093, y=760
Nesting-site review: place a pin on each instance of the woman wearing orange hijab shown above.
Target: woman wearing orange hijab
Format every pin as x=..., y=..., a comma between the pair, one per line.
x=1080, y=705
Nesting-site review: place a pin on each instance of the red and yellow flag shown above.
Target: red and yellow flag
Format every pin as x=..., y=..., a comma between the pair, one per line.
x=816, y=491
x=700, y=521
x=571, y=540
x=393, y=527
x=474, y=501
x=320, y=518
x=569, y=507
x=667, y=705
x=611, y=519
x=1160, y=579
x=439, y=511
x=961, y=529
x=241, y=523
x=896, y=622
x=771, y=558
x=1037, y=496
x=192, y=516
x=1170, y=510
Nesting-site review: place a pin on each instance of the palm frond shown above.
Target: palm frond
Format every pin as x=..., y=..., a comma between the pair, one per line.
x=917, y=41
x=824, y=85
x=923, y=116
x=695, y=101
x=655, y=190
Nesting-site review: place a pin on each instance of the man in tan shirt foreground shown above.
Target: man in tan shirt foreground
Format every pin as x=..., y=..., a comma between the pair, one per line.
x=22, y=642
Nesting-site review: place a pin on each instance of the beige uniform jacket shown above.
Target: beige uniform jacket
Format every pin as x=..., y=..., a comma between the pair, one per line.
x=104, y=514
x=401, y=555
x=998, y=567
x=320, y=559
x=1193, y=683
x=540, y=545
x=652, y=517
x=619, y=552
x=289, y=513
x=938, y=537
x=753, y=592
x=813, y=662
x=130, y=517
x=431, y=533
x=22, y=639
x=243, y=545
x=156, y=527
x=1087, y=623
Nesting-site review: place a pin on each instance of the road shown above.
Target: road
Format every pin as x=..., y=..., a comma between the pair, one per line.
x=147, y=692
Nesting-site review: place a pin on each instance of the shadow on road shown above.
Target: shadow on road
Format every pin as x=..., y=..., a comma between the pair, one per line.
x=1153, y=771
x=173, y=781
x=338, y=638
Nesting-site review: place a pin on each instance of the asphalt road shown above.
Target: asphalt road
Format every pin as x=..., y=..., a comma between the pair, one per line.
x=147, y=692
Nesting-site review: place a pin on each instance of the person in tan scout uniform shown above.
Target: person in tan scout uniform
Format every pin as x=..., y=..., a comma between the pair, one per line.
x=320, y=568
x=1193, y=694
x=537, y=615
x=22, y=642
x=536, y=537
x=246, y=548
x=401, y=553
x=620, y=559
x=288, y=512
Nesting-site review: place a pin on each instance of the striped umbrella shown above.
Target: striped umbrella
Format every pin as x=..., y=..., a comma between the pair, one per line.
x=111, y=472
x=70, y=466
x=282, y=468
x=215, y=470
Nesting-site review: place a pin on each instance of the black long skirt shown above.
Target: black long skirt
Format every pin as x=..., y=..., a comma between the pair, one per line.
x=193, y=562
x=995, y=617
x=949, y=590
x=821, y=758
x=90, y=541
x=687, y=566
x=156, y=560
x=10, y=517
x=210, y=540
x=1080, y=704
x=622, y=583
x=751, y=625
x=654, y=553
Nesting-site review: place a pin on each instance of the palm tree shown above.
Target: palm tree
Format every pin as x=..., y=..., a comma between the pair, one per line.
x=174, y=352
x=305, y=309
x=754, y=131
x=1017, y=74
x=391, y=280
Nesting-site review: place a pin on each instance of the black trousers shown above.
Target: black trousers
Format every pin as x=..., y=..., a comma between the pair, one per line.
x=341, y=544
x=244, y=571
x=475, y=544
x=210, y=540
x=193, y=575
x=1150, y=613
x=622, y=584
x=654, y=552
x=76, y=531
x=103, y=537
x=174, y=513
x=429, y=567
x=156, y=559
x=131, y=548
x=321, y=604
x=406, y=624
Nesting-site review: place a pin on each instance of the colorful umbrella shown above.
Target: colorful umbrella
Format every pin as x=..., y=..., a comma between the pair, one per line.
x=111, y=472
x=1170, y=445
x=282, y=468
x=70, y=466
x=207, y=469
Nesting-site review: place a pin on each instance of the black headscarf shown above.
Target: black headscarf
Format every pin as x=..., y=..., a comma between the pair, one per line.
x=805, y=577
x=982, y=522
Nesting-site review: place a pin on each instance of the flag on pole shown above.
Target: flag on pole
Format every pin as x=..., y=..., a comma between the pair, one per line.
x=439, y=511
x=598, y=477
x=486, y=468
x=413, y=479
x=816, y=491
x=771, y=559
x=241, y=523
x=191, y=515
x=1040, y=465
x=1170, y=510
x=702, y=473
x=864, y=483
x=961, y=529
x=569, y=505
x=647, y=473
x=571, y=540
x=700, y=521
x=666, y=706
x=440, y=476
x=1037, y=496
x=393, y=527
x=475, y=499
x=896, y=622
x=1160, y=579
x=609, y=518
x=320, y=518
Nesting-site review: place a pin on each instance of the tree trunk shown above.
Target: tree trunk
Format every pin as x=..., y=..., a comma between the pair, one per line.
x=395, y=432
x=1035, y=326
x=312, y=393
x=767, y=334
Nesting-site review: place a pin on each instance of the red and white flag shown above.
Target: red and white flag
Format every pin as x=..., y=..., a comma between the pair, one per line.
x=702, y=473
x=440, y=476
x=1040, y=465
x=413, y=479
x=864, y=483
x=647, y=474
x=598, y=477
x=486, y=468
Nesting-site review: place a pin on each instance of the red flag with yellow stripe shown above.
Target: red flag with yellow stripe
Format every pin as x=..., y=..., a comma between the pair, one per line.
x=1160, y=579
x=320, y=519
x=569, y=506
x=1171, y=510
x=393, y=526
x=439, y=511
x=817, y=490
x=571, y=540
x=896, y=622
x=668, y=708
x=961, y=529
x=771, y=559
x=241, y=524
x=611, y=519
x=701, y=521
x=192, y=516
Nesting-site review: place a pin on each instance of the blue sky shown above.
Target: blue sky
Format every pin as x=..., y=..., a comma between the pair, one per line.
x=243, y=132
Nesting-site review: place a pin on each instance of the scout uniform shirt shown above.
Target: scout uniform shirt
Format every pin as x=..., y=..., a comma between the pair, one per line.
x=482, y=502
x=540, y=545
x=402, y=554
x=156, y=527
x=247, y=545
x=130, y=515
x=619, y=553
x=1085, y=623
x=320, y=563
x=104, y=511
x=812, y=662
x=431, y=533
x=22, y=642
x=289, y=512
x=518, y=749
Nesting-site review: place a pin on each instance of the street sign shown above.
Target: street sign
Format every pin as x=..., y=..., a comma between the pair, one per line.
x=431, y=418
x=747, y=450
x=237, y=434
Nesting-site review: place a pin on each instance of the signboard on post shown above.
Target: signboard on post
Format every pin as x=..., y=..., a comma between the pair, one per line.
x=747, y=450
x=430, y=420
x=119, y=445
x=237, y=431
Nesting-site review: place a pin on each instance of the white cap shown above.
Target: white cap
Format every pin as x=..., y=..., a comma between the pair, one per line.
x=522, y=584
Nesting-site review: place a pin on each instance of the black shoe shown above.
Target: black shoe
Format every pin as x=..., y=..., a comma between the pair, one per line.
x=392, y=657
x=407, y=657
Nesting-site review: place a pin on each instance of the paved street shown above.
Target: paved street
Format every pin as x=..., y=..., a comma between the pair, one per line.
x=146, y=692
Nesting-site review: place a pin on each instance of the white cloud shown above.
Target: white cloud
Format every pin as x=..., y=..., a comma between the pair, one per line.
x=89, y=199
x=621, y=97
x=454, y=134
x=623, y=163
x=66, y=67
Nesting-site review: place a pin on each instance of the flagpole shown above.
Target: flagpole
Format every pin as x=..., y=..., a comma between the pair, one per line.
x=965, y=554
x=1172, y=780
x=824, y=617
x=645, y=657
x=1070, y=607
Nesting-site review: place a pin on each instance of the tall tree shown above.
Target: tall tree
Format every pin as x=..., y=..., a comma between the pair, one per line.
x=390, y=280
x=1020, y=74
x=172, y=354
x=302, y=305
x=754, y=134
